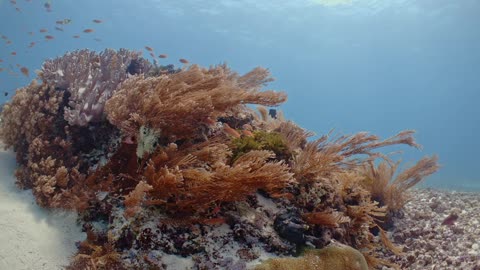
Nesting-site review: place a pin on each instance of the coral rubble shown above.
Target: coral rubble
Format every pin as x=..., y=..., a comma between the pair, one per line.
x=170, y=167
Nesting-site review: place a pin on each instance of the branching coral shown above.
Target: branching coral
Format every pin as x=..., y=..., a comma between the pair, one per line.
x=90, y=80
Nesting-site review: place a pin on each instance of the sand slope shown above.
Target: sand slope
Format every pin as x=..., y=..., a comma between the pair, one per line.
x=31, y=237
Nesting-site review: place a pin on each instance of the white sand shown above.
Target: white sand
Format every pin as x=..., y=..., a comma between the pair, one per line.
x=31, y=237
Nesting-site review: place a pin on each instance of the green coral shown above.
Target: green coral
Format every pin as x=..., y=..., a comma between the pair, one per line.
x=261, y=140
x=333, y=257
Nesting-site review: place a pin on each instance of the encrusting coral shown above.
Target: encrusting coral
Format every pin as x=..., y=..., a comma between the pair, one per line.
x=163, y=163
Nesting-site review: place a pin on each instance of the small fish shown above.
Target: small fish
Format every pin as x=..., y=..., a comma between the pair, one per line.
x=247, y=133
x=450, y=220
x=88, y=30
x=30, y=33
x=1, y=60
x=148, y=49
x=49, y=37
x=43, y=30
x=5, y=94
x=183, y=61
x=25, y=71
x=18, y=9
x=13, y=2
x=97, y=39
x=64, y=21
x=76, y=36
x=4, y=37
x=18, y=65
x=2, y=69
x=58, y=28
x=47, y=5
x=97, y=21
x=9, y=42
x=13, y=53
x=152, y=55
x=230, y=131
x=163, y=56
x=31, y=44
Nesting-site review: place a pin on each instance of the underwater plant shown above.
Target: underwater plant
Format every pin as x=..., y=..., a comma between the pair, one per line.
x=163, y=164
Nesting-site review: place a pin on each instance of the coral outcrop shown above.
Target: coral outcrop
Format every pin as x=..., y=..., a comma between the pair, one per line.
x=170, y=169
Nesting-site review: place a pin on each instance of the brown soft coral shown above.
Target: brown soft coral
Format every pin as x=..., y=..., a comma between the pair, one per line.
x=177, y=104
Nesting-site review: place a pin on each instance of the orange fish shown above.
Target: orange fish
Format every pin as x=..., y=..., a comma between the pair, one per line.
x=148, y=49
x=13, y=53
x=247, y=133
x=97, y=21
x=183, y=61
x=25, y=71
x=88, y=30
x=163, y=56
x=49, y=37
x=43, y=30
x=76, y=36
x=230, y=131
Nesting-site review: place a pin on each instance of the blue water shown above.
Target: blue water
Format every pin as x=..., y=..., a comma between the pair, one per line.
x=359, y=65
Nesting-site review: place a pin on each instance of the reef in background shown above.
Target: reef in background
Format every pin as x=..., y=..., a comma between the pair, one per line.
x=169, y=166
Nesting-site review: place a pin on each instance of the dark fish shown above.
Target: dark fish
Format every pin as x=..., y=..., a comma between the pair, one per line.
x=88, y=30
x=30, y=33
x=25, y=71
x=148, y=49
x=58, y=28
x=9, y=42
x=76, y=36
x=4, y=37
x=183, y=61
x=6, y=93
x=43, y=30
x=97, y=39
x=97, y=21
x=134, y=67
x=450, y=220
x=18, y=9
x=13, y=53
x=163, y=56
x=47, y=5
x=152, y=55
x=13, y=2
x=49, y=37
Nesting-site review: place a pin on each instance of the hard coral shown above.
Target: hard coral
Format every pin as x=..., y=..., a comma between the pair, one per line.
x=90, y=79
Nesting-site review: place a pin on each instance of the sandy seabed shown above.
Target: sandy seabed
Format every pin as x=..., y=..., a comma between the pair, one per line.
x=429, y=245
x=35, y=238
x=32, y=237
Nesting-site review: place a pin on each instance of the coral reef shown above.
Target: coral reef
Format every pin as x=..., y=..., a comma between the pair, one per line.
x=170, y=167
